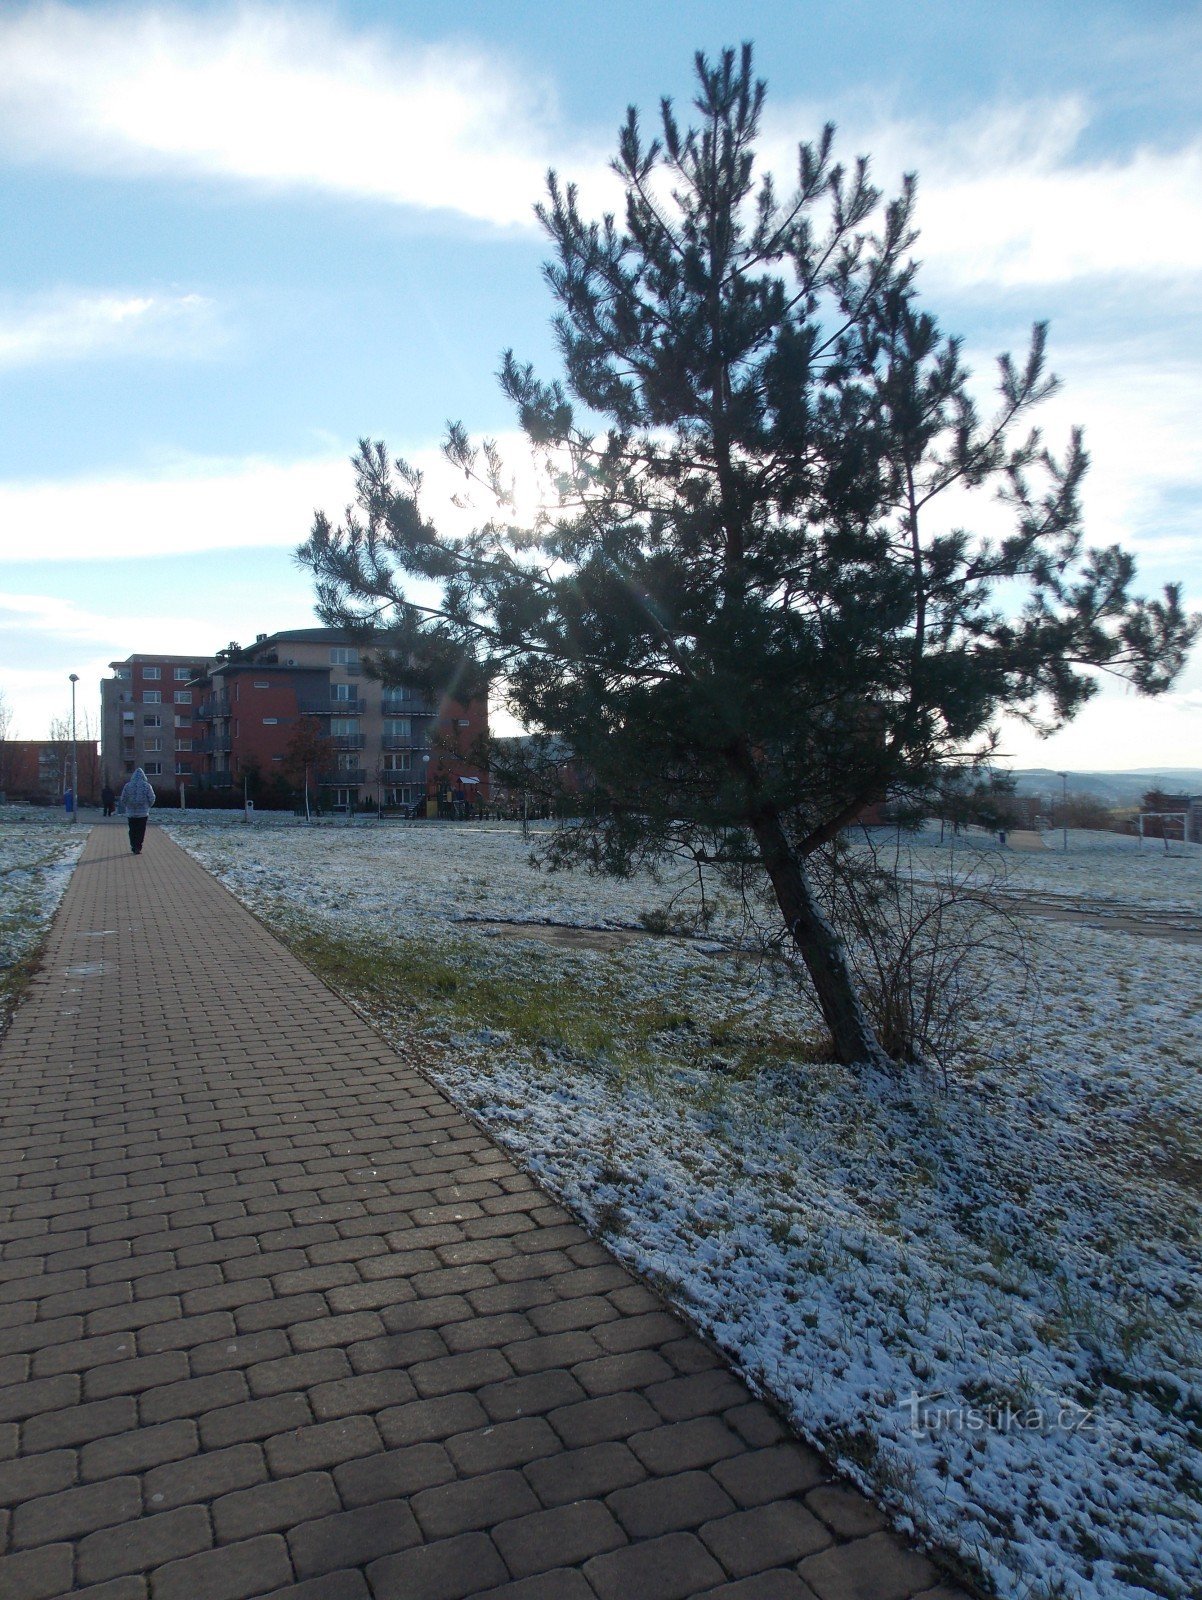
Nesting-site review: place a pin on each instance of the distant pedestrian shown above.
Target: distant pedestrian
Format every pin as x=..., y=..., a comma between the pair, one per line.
x=137, y=797
x=108, y=799
x=69, y=801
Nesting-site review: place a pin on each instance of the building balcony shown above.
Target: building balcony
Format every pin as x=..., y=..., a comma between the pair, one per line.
x=312, y=707
x=347, y=741
x=407, y=706
x=215, y=743
x=404, y=741
x=214, y=705
x=343, y=778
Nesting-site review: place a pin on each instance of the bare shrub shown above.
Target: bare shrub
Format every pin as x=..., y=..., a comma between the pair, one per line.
x=926, y=946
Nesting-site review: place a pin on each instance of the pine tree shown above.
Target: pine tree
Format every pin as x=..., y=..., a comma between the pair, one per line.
x=747, y=617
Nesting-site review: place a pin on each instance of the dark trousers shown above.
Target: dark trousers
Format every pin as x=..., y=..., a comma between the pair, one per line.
x=137, y=832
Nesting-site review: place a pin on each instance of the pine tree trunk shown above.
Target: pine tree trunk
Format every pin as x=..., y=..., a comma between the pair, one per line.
x=818, y=945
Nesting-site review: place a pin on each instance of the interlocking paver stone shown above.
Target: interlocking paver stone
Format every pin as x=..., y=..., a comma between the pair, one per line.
x=261, y=1284
x=353, y=1538
x=564, y=1583
x=40, y=1574
x=671, y=1568
x=446, y=1570
x=202, y=1477
x=149, y=1542
x=757, y=1476
x=876, y=1568
x=270, y=1507
x=668, y=1505
x=259, y=1566
x=76, y=1511
x=566, y=1535
x=766, y=1536
x=781, y=1584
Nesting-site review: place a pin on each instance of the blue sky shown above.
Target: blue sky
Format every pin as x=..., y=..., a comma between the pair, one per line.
x=239, y=237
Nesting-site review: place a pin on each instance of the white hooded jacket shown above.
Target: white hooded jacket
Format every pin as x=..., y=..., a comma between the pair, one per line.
x=137, y=796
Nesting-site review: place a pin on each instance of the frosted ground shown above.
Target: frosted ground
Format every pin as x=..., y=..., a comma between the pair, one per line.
x=37, y=855
x=980, y=1298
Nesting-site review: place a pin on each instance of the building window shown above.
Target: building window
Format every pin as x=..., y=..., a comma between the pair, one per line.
x=152, y=720
x=399, y=761
x=465, y=722
x=345, y=797
x=183, y=697
x=152, y=744
x=153, y=673
x=182, y=674
x=262, y=686
x=182, y=769
x=395, y=697
x=183, y=722
x=183, y=744
x=270, y=722
x=342, y=691
x=398, y=727
x=343, y=727
x=153, y=767
x=341, y=656
x=151, y=697
x=402, y=794
x=128, y=716
x=121, y=674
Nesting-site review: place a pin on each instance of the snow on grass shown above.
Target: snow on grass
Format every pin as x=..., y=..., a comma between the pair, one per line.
x=981, y=1300
x=1099, y=867
x=37, y=856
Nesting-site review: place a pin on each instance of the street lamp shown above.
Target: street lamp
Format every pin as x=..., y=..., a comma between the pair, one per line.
x=1063, y=776
x=74, y=755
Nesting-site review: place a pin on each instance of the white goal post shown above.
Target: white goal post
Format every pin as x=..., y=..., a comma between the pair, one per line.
x=1180, y=816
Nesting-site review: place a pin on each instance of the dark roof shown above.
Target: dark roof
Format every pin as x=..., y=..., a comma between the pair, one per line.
x=306, y=636
x=244, y=664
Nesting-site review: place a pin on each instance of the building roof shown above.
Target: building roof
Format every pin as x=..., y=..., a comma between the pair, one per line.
x=307, y=636
x=184, y=661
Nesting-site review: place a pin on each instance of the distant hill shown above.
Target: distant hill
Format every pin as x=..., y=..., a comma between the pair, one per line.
x=1110, y=788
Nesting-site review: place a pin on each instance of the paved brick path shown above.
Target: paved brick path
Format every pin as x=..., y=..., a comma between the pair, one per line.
x=276, y=1319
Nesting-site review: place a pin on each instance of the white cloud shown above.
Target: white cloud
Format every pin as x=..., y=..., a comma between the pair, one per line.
x=195, y=507
x=295, y=98
x=37, y=696
x=212, y=505
x=66, y=327
x=1005, y=199
x=1120, y=729
x=282, y=97
x=64, y=619
x=1139, y=408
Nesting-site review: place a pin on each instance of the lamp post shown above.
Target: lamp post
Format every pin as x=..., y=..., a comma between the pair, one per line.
x=74, y=755
x=1064, y=810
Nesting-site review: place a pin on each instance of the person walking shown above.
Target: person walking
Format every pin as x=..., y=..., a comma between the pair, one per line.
x=108, y=799
x=137, y=797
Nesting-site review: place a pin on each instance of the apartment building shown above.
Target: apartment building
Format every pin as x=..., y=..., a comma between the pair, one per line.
x=390, y=746
x=148, y=719
x=41, y=769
